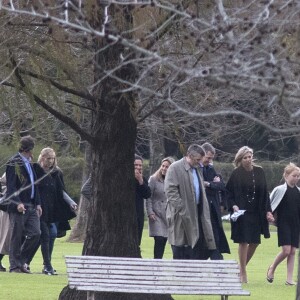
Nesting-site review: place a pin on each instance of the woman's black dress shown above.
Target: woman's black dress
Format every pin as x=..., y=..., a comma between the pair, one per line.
x=288, y=218
x=248, y=190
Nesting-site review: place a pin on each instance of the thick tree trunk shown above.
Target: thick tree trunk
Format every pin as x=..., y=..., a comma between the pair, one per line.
x=112, y=228
x=68, y=294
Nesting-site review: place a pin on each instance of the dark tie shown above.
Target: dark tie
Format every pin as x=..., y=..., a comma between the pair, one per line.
x=204, y=171
x=200, y=205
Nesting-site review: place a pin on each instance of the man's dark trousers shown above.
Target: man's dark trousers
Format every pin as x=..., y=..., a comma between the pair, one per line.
x=24, y=237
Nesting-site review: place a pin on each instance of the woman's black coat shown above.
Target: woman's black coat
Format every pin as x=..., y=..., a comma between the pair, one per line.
x=51, y=187
x=236, y=195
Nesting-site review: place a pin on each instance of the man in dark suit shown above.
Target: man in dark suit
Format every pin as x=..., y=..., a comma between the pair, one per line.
x=214, y=187
x=24, y=208
x=142, y=191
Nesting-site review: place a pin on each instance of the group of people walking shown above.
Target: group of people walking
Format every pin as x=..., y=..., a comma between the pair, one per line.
x=37, y=207
x=184, y=207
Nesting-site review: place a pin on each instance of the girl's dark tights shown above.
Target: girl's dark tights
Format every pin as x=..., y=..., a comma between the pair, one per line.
x=159, y=246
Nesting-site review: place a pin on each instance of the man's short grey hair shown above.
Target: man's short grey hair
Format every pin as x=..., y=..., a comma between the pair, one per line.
x=209, y=148
x=195, y=149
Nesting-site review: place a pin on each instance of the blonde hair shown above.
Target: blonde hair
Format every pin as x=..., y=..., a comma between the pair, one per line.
x=157, y=174
x=240, y=154
x=289, y=169
x=44, y=153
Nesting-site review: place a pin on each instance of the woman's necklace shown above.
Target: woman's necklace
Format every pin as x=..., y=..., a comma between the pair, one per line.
x=251, y=199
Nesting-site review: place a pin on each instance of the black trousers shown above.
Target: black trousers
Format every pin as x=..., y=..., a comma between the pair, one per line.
x=200, y=251
x=181, y=252
x=215, y=254
x=24, y=238
x=159, y=246
x=140, y=224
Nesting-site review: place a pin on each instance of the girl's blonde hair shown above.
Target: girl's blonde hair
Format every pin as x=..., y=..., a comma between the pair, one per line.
x=46, y=152
x=240, y=154
x=289, y=169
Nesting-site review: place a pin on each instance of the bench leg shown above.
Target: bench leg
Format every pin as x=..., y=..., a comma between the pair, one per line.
x=90, y=295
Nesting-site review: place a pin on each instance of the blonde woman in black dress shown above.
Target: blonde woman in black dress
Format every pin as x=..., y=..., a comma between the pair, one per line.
x=247, y=190
x=285, y=203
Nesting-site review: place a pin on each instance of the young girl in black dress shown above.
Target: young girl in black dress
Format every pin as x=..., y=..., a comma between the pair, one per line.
x=285, y=203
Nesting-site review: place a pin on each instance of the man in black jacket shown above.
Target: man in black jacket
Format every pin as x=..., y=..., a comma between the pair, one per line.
x=142, y=191
x=214, y=187
x=25, y=206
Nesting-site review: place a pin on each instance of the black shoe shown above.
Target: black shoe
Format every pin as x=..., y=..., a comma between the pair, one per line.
x=2, y=268
x=49, y=271
x=290, y=283
x=269, y=279
x=15, y=270
x=27, y=266
x=25, y=270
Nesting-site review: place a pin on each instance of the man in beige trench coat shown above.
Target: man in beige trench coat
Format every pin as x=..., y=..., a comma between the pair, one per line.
x=189, y=227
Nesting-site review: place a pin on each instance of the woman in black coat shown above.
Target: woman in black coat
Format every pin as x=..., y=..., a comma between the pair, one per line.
x=57, y=206
x=247, y=190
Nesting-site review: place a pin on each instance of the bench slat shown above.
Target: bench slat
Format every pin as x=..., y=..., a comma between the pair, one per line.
x=156, y=282
x=196, y=278
x=157, y=262
x=164, y=290
x=145, y=272
x=135, y=260
x=154, y=268
x=184, y=280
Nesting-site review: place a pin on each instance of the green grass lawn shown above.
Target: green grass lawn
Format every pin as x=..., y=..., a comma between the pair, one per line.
x=42, y=287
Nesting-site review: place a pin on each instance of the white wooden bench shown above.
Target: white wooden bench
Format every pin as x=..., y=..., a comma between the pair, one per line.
x=154, y=276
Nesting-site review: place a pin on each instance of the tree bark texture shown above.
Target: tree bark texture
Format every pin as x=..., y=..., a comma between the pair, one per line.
x=68, y=294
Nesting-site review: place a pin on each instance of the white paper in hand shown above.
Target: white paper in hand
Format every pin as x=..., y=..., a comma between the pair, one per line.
x=237, y=214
